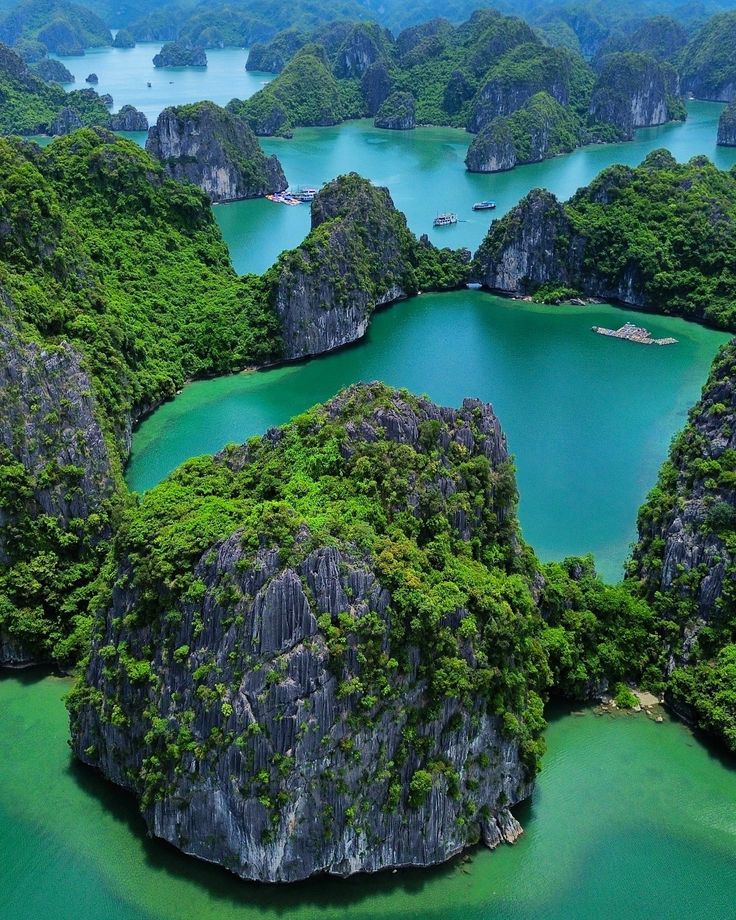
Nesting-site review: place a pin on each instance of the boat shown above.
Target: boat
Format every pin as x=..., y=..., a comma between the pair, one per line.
x=306, y=193
x=484, y=205
x=284, y=198
x=445, y=220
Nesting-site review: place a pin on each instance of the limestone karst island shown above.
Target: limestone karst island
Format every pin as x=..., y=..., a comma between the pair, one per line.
x=356, y=559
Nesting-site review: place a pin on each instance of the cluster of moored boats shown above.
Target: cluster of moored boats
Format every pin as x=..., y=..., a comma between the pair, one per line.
x=305, y=193
x=449, y=217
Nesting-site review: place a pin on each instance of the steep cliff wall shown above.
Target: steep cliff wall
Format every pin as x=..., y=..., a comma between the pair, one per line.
x=686, y=549
x=708, y=65
x=635, y=91
x=685, y=559
x=57, y=482
x=612, y=238
x=539, y=129
x=727, y=126
x=216, y=150
x=359, y=255
x=292, y=704
x=118, y=288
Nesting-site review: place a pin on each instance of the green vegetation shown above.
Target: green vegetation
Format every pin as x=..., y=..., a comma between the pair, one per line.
x=596, y=634
x=540, y=128
x=398, y=111
x=58, y=26
x=707, y=65
x=180, y=54
x=30, y=105
x=695, y=599
x=463, y=601
x=306, y=93
x=672, y=225
x=129, y=268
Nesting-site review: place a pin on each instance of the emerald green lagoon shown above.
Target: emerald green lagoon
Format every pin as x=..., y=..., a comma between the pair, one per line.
x=630, y=819
x=588, y=418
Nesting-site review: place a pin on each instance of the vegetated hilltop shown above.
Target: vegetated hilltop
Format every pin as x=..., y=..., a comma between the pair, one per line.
x=57, y=25
x=180, y=54
x=125, y=272
x=708, y=63
x=358, y=256
x=204, y=144
x=686, y=556
x=492, y=75
x=330, y=660
x=117, y=288
x=32, y=106
x=658, y=236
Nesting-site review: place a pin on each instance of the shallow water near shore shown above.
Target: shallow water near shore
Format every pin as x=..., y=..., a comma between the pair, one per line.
x=629, y=819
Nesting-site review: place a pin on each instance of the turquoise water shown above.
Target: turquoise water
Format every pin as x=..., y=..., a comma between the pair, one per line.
x=425, y=174
x=630, y=819
x=588, y=418
x=124, y=73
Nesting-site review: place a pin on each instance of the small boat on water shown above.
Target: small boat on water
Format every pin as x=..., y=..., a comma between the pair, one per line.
x=306, y=193
x=484, y=205
x=445, y=220
x=284, y=198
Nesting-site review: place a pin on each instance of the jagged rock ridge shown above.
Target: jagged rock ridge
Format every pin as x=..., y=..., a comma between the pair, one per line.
x=293, y=718
x=216, y=150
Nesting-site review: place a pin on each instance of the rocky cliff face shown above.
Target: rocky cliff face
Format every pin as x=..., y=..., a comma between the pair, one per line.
x=58, y=475
x=397, y=113
x=634, y=91
x=364, y=46
x=685, y=551
x=177, y=54
x=273, y=56
x=65, y=122
x=288, y=720
x=532, y=246
x=360, y=255
x=376, y=86
x=53, y=71
x=541, y=128
x=592, y=244
x=708, y=66
x=513, y=82
x=128, y=119
x=493, y=150
x=215, y=150
x=727, y=126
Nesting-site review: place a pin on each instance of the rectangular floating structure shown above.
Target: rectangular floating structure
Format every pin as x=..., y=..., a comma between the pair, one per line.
x=634, y=334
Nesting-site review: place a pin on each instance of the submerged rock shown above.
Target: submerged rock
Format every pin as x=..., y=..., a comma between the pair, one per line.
x=216, y=150
x=299, y=699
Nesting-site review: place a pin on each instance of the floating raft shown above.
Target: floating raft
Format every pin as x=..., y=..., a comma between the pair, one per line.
x=634, y=334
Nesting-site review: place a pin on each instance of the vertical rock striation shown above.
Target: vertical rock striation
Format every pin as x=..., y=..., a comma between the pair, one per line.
x=359, y=255
x=216, y=150
x=288, y=714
